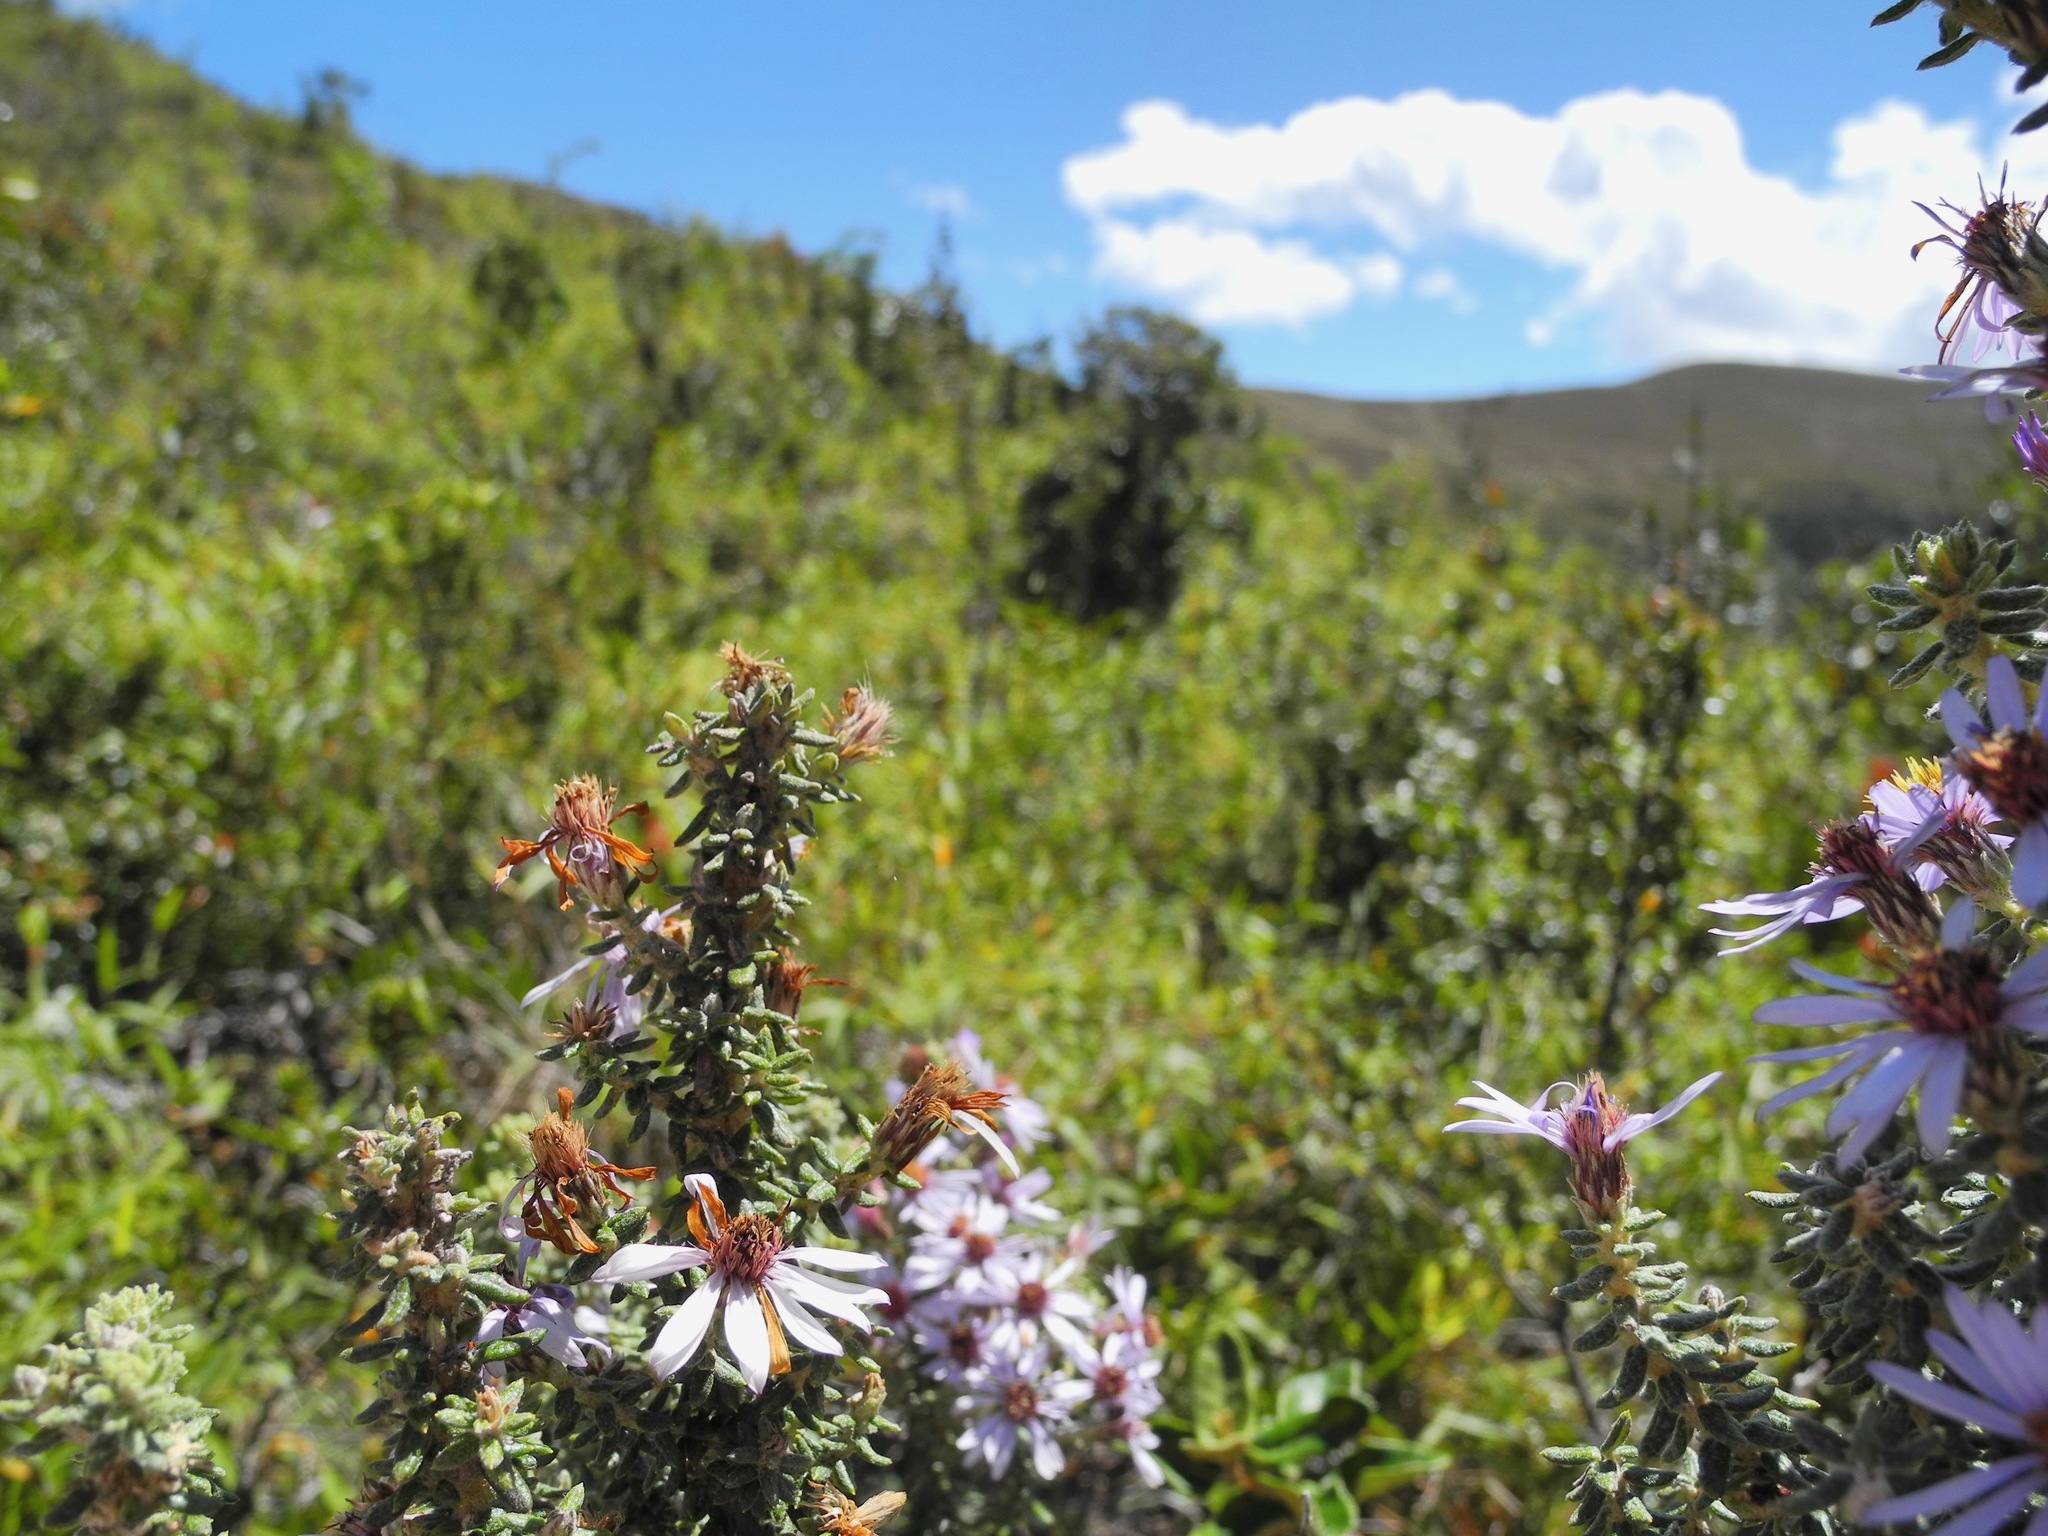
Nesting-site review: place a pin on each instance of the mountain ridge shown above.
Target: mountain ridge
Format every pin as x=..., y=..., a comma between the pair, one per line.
x=1833, y=462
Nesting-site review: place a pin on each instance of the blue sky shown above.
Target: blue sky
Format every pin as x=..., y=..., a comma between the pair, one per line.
x=1640, y=193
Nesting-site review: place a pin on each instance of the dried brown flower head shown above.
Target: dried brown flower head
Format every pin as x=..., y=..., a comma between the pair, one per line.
x=568, y=1180
x=744, y=672
x=580, y=846
x=861, y=726
x=840, y=1516
x=943, y=1098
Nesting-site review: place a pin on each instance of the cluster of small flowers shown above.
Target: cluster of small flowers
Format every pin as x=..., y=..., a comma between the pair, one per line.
x=990, y=1298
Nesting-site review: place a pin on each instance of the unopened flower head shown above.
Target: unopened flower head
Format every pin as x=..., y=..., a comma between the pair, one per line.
x=2006, y=761
x=1590, y=1127
x=567, y=1180
x=766, y=1285
x=744, y=672
x=943, y=1098
x=1950, y=1008
x=2003, y=285
x=840, y=1516
x=861, y=726
x=580, y=846
x=2002, y=1369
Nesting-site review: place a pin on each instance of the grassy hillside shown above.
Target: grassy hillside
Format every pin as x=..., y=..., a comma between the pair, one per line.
x=1246, y=809
x=1833, y=463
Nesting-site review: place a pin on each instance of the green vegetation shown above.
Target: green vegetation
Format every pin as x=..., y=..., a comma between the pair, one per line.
x=1246, y=811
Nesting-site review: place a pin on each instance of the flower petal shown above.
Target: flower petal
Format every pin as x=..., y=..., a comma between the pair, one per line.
x=2030, y=867
x=649, y=1261
x=2002, y=693
x=511, y=1222
x=1962, y=1361
x=1994, y=1510
x=683, y=1334
x=797, y=1322
x=843, y=1259
x=1950, y=1492
x=1629, y=1129
x=1941, y=1095
x=1827, y=1012
x=2031, y=974
x=1995, y=1336
x=1957, y=923
x=1950, y=1402
x=835, y=1298
x=746, y=1335
x=555, y=983
x=1964, y=724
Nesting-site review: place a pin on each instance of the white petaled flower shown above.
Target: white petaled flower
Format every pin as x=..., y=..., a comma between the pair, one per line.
x=1949, y=1002
x=970, y=1248
x=1122, y=1375
x=1017, y=1402
x=568, y=1331
x=2005, y=1368
x=769, y=1294
x=2006, y=761
x=956, y=1343
x=1035, y=1296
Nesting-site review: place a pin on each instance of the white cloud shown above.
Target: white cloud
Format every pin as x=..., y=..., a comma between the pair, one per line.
x=943, y=198
x=1675, y=243
x=1441, y=284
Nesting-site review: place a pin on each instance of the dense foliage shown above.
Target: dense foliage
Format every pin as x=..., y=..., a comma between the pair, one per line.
x=1245, y=813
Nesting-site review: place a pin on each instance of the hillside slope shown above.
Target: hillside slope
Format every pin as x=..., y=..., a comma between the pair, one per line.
x=1833, y=462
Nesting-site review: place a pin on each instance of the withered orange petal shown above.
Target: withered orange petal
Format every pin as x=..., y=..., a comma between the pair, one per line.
x=778, y=1346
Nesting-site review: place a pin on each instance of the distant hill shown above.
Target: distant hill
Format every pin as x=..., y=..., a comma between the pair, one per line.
x=1834, y=462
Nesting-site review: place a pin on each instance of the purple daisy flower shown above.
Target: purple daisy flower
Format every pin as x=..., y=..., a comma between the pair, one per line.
x=2006, y=761
x=1586, y=1103
x=2006, y=1368
x=1857, y=871
x=1949, y=1002
x=1018, y=1403
x=1930, y=814
x=1590, y=1128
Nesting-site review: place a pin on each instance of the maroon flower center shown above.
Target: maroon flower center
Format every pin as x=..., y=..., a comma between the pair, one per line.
x=1020, y=1403
x=748, y=1249
x=1111, y=1381
x=1951, y=992
x=1852, y=847
x=980, y=1247
x=1599, y=1178
x=1032, y=1298
x=2010, y=769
